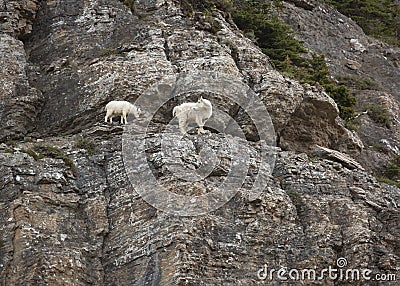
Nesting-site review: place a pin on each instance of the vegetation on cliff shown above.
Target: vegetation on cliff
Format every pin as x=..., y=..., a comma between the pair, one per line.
x=378, y=18
x=393, y=170
x=255, y=18
x=276, y=39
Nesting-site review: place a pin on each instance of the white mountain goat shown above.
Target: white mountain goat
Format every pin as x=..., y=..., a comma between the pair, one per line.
x=193, y=112
x=121, y=108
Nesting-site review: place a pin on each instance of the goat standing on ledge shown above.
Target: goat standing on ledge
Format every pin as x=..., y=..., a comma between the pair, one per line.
x=121, y=108
x=193, y=112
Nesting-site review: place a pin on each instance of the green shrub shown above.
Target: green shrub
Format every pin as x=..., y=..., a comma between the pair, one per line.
x=391, y=175
x=380, y=148
x=87, y=144
x=277, y=41
x=10, y=142
x=351, y=124
x=295, y=197
x=129, y=3
x=343, y=99
x=393, y=169
x=274, y=37
x=49, y=151
x=378, y=18
x=386, y=180
x=379, y=114
x=33, y=154
x=357, y=82
x=107, y=52
x=189, y=6
x=56, y=153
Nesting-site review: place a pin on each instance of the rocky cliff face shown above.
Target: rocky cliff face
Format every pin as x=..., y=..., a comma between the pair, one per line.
x=20, y=101
x=70, y=215
x=358, y=58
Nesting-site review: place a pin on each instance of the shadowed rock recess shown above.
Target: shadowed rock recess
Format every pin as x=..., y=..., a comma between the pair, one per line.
x=69, y=215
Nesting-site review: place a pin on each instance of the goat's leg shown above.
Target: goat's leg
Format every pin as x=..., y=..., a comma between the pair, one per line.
x=200, y=123
x=108, y=115
x=182, y=126
x=201, y=130
x=123, y=114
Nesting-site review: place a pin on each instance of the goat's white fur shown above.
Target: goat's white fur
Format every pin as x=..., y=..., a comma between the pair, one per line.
x=121, y=108
x=193, y=112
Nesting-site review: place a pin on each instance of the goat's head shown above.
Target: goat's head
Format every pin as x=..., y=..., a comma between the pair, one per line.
x=136, y=111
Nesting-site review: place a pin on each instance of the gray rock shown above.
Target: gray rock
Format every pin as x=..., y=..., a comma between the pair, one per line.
x=334, y=155
x=93, y=226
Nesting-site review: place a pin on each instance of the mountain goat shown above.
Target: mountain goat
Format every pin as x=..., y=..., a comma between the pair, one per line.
x=193, y=112
x=122, y=108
